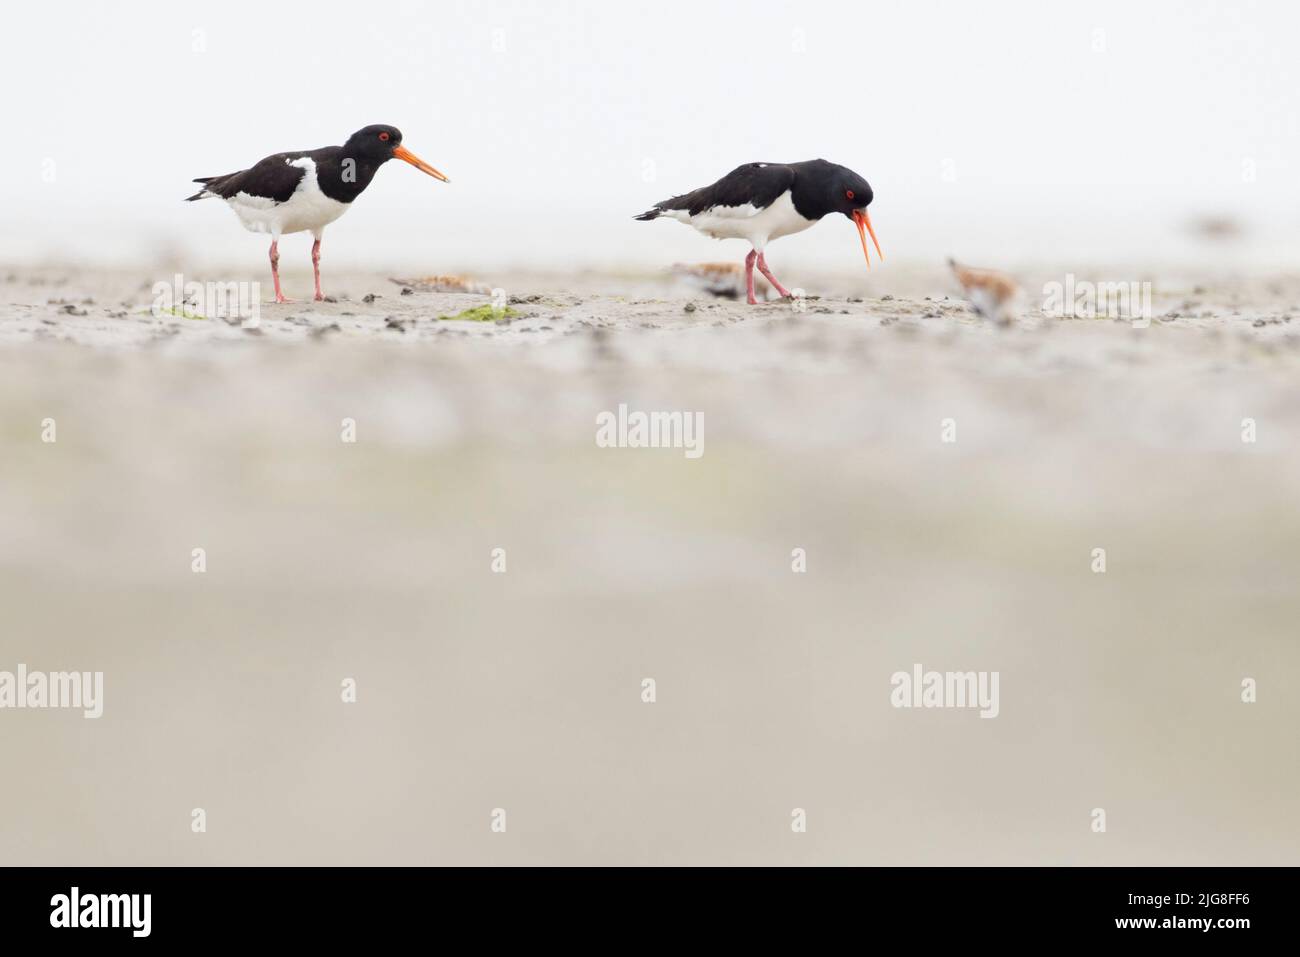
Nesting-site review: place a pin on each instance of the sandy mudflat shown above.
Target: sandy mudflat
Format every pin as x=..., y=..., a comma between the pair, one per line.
x=521, y=690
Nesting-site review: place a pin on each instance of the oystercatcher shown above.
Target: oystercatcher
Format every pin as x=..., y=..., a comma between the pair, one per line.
x=765, y=201
x=308, y=189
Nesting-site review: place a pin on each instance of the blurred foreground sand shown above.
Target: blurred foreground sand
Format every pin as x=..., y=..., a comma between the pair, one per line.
x=521, y=690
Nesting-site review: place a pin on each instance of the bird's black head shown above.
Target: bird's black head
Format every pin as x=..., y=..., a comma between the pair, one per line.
x=849, y=192
x=379, y=143
x=844, y=191
x=375, y=143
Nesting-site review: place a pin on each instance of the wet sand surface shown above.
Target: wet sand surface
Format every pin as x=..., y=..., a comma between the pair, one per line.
x=823, y=430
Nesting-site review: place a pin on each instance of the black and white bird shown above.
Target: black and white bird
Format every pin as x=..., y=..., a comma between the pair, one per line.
x=760, y=202
x=308, y=189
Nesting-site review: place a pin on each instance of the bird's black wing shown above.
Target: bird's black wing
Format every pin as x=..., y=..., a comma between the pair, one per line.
x=756, y=183
x=272, y=178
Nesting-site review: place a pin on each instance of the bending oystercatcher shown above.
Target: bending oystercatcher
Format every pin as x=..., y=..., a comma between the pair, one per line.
x=308, y=189
x=765, y=201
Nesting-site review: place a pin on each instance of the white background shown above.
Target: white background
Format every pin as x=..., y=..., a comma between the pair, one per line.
x=559, y=121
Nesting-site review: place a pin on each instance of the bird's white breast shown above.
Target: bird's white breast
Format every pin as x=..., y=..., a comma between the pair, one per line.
x=307, y=209
x=759, y=226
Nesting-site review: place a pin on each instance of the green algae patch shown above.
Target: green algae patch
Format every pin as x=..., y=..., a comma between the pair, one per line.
x=178, y=312
x=484, y=313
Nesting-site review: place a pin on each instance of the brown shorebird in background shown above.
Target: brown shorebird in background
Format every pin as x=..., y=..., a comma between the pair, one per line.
x=445, y=284
x=991, y=293
x=723, y=280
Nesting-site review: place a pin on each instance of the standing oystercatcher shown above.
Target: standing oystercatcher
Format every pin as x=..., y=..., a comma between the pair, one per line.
x=309, y=189
x=765, y=201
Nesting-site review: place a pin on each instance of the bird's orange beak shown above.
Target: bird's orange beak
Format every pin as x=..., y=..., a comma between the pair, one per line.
x=863, y=222
x=402, y=153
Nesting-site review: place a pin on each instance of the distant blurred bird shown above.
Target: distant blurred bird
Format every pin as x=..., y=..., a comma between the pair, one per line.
x=760, y=202
x=1217, y=228
x=445, y=284
x=724, y=280
x=991, y=293
x=308, y=189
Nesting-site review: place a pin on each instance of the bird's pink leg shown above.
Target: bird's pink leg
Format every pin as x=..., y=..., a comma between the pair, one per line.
x=315, y=265
x=762, y=267
x=275, y=270
x=749, y=276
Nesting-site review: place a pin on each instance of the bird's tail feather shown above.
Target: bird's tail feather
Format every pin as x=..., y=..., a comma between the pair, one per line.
x=650, y=214
x=204, y=193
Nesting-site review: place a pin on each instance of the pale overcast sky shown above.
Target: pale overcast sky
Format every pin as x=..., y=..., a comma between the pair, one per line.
x=994, y=130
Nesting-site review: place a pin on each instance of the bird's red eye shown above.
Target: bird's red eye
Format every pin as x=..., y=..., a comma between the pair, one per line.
x=384, y=137
x=848, y=194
